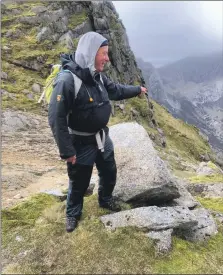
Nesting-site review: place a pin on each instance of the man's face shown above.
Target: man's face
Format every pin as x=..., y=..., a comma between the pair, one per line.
x=101, y=58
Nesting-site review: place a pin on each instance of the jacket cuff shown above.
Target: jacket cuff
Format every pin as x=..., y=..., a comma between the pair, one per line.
x=67, y=156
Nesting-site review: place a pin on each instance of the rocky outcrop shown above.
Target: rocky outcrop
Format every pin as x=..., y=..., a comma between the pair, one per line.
x=64, y=23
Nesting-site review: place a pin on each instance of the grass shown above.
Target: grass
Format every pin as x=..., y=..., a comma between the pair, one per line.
x=208, y=178
x=91, y=249
x=180, y=136
x=215, y=204
x=76, y=19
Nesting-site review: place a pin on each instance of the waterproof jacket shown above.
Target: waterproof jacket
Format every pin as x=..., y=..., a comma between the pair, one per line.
x=90, y=110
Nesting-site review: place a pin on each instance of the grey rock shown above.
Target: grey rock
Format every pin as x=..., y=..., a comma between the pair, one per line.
x=163, y=241
x=44, y=34
x=58, y=27
x=209, y=190
x=15, y=11
x=6, y=48
x=205, y=169
x=36, y=88
x=160, y=131
x=185, y=199
x=19, y=239
x=143, y=178
x=56, y=193
x=13, y=121
x=101, y=23
x=205, y=228
x=39, y=9
x=218, y=216
x=4, y=75
x=25, y=91
x=30, y=20
x=82, y=28
x=40, y=59
x=30, y=96
x=66, y=39
x=18, y=196
x=32, y=64
x=151, y=218
x=9, y=33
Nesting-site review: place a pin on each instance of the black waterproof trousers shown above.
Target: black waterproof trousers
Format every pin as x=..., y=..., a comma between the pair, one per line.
x=80, y=175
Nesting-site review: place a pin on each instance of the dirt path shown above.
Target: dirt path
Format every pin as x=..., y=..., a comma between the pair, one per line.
x=30, y=161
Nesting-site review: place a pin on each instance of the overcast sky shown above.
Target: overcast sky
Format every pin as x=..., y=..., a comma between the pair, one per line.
x=162, y=32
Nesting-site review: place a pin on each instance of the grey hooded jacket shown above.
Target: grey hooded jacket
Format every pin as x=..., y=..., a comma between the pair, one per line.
x=80, y=113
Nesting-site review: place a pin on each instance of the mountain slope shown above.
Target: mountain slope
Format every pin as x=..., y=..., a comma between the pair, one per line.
x=191, y=89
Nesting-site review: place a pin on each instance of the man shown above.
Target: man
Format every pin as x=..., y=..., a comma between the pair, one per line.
x=79, y=123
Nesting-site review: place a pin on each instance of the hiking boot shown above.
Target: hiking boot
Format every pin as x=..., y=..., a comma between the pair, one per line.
x=111, y=205
x=71, y=224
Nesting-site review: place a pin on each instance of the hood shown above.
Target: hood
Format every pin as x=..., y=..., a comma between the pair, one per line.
x=68, y=63
x=87, y=48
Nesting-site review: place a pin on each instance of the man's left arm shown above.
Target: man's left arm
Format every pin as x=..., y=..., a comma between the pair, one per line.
x=119, y=91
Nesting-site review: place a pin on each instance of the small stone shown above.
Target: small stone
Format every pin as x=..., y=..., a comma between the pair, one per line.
x=163, y=240
x=6, y=48
x=4, y=75
x=18, y=196
x=30, y=96
x=56, y=193
x=18, y=238
x=36, y=88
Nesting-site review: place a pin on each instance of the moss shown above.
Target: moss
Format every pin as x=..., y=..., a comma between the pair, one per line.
x=75, y=41
x=215, y=204
x=19, y=78
x=212, y=165
x=140, y=105
x=77, y=19
x=207, y=178
x=26, y=212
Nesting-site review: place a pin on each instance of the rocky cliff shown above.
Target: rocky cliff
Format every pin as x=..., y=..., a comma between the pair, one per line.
x=35, y=33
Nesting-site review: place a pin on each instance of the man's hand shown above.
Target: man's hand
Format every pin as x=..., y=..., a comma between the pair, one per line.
x=71, y=159
x=143, y=91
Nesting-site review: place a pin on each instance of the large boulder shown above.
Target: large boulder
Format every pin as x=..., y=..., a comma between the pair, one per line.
x=151, y=218
x=143, y=178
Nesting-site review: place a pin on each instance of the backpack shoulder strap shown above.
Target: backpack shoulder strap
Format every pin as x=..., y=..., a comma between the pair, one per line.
x=77, y=83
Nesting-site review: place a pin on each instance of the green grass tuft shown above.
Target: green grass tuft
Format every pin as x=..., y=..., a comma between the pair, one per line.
x=77, y=19
x=215, y=204
x=207, y=178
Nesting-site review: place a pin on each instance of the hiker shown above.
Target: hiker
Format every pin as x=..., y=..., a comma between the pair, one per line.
x=79, y=123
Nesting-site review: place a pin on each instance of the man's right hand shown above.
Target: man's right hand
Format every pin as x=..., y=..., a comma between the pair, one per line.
x=71, y=159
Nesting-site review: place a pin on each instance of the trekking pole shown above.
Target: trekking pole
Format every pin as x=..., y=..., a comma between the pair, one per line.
x=42, y=95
